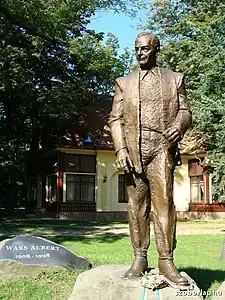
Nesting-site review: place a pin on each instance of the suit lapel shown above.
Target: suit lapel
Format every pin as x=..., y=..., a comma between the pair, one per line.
x=132, y=91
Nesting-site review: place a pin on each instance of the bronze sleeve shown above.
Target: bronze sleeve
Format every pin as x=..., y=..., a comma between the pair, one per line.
x=116, y=122
x=184, y=116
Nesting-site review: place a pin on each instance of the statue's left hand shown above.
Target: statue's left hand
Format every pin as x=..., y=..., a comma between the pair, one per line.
x=172, y=134
x=123, y=160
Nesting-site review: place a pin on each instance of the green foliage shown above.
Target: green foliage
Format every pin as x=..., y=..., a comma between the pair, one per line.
x=193, y=42
x=52, y=69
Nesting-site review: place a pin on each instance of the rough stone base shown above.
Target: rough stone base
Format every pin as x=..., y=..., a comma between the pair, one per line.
x=107, y=283
x=10, y=269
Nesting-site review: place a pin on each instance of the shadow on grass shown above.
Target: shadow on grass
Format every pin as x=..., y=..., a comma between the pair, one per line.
x=99, y=238
x=105, y=238
x=204, y=278
x=69, y=227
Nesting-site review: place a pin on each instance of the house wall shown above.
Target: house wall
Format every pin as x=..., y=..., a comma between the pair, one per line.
x=106, y=186
x=107, y=183
x=182, y=186
x=107, y=192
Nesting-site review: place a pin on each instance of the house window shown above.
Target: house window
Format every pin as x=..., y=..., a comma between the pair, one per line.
x=80, y=163
x=80, y=188
x=122, y=190
x=51, y=188
x=197, y=186
x=80, y=178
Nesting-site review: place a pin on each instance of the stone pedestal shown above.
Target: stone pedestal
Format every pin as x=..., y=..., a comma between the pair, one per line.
x=107, y=283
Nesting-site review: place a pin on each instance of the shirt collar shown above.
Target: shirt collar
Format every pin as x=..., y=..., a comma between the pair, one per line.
x=145, y=72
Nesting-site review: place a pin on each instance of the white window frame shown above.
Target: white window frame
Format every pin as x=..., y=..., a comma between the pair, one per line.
x=76, y=173
x=204, y=191
x=46, y=185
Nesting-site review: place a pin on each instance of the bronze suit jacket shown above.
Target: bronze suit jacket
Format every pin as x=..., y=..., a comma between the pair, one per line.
x=124, y=119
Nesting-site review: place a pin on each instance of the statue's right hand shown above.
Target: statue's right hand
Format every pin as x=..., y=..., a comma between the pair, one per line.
x=123, y=161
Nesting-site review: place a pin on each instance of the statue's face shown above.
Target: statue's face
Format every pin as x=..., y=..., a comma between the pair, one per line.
x=145, y=53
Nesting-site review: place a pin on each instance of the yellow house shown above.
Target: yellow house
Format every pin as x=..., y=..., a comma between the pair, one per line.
x=83, y=182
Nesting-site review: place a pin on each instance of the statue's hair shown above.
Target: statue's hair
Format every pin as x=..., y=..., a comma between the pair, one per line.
x=153, y=38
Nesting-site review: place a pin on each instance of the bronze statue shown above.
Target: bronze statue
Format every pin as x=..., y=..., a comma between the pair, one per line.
x=150, y=115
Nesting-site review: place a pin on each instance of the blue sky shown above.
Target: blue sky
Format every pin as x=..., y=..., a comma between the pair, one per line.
x=123, y=26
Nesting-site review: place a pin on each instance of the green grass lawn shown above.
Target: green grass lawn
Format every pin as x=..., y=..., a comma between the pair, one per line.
x=198, y=256
x=17, y=226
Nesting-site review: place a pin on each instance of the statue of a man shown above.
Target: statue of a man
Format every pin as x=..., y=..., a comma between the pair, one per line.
x=150, y=115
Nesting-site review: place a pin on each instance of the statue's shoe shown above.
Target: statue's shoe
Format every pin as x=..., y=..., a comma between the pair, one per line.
x=138, y=268
x=171, y=275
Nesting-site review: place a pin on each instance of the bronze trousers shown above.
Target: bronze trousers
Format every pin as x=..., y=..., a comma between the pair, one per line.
x=154, y=186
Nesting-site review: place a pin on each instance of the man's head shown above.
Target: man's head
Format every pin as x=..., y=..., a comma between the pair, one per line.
x=147, y=46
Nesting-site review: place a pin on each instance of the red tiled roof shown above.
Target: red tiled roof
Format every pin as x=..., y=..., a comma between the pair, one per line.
x=92, y=126
x=191, y=143
x=95, y=123
x=105, y=140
